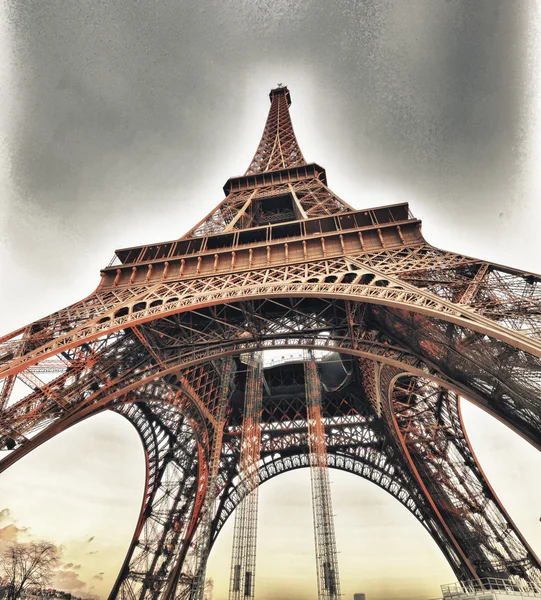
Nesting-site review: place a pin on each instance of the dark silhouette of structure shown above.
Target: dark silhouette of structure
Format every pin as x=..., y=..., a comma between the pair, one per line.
x=177, y=339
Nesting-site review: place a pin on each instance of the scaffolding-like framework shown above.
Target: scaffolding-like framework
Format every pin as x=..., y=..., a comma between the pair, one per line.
x=243, y=556
x=328, y=581
x=204, y=535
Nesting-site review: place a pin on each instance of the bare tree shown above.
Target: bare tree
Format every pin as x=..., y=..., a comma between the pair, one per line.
x=25, y=565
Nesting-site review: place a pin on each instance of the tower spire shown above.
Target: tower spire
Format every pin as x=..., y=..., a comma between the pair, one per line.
x=278, y=148
x=279, y=186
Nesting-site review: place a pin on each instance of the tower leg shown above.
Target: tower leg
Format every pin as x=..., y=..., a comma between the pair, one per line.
x=242, y=582
x=324, y=534
x=427, y=420
x=171, y=450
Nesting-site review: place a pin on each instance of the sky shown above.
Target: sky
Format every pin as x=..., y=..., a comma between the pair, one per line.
x=120, y=122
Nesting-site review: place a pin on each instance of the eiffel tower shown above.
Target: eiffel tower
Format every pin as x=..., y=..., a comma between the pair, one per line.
x=287, y=330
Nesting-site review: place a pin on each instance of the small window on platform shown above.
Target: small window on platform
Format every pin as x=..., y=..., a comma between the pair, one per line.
x=194, y=245
x=347, y=221
x=150, y=253
x=286, y=231
x=253, y=236
x=182, y=248
x=363, y=219
x=163, y=250
x=313, y=226
x=220, y=241
x=273, y=209
x=127, y=256
x=328, y=224
x=399, y=213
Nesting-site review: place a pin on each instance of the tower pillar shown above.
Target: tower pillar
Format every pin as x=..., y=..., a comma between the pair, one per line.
x=202, y=547
x=243, y=561
x=325, y=539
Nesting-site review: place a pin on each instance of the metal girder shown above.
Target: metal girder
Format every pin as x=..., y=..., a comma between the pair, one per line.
x=357, y=441
x=243, y=555
x=171, y=451
x=427, y=421
x=202, y=543
x=325, y=538
x=278, y=148
x=347, y=278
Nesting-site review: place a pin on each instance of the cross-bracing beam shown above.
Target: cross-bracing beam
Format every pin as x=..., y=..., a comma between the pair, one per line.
x=242, y=582
x=325, y=540
x=205, y=528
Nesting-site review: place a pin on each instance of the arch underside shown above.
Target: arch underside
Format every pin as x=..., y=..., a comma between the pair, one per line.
x=450, y=498
x=162, y=371
x=181, y=349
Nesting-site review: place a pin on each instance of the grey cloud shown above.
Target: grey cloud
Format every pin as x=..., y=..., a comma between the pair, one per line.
x=123, y=107
x=135, y=97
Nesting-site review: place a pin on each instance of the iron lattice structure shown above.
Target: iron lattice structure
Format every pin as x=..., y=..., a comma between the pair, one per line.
x=282, y=262
x=243, y=559
x=326, y=555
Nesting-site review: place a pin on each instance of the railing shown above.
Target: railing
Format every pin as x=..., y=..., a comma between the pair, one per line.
x=114, y=261
x=474, y=586
x=277, y=357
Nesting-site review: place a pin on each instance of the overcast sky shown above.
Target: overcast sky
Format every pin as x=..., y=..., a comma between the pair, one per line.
x=119, y=123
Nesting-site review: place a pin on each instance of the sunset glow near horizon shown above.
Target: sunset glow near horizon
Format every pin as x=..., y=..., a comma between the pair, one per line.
x=73, y=192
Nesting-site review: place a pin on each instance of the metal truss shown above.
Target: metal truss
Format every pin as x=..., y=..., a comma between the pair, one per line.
x=243, y=556
x=278, y=148
x=328, y=580
x=283, y=263
x=202, y=545
x=171, y=452
x=347, y=278
x=429, y=426
x=477, y=365
x=239, y=210
x=357, y=441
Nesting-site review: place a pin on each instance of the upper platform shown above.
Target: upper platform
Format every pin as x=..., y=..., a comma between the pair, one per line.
x=281, y=211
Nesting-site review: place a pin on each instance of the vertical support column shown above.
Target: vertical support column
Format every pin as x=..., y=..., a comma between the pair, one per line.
x=242, y=582
x=325, y=540
x=205, y=528
x=9, y=382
